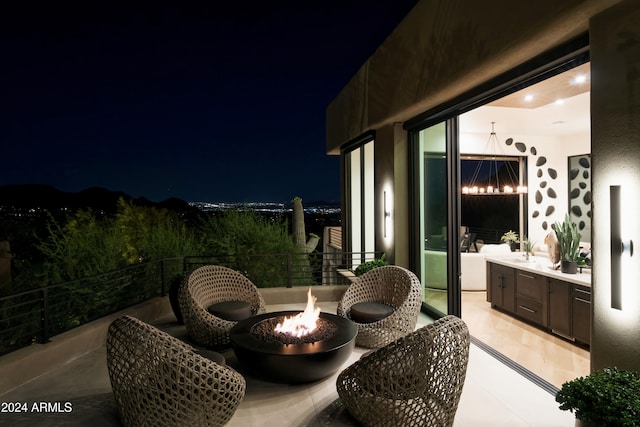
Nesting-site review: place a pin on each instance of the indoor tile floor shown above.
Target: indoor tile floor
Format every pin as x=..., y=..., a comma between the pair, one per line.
x=493, y=395
x=554, y=359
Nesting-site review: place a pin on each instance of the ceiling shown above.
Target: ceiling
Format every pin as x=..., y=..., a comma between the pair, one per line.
x=558, y=106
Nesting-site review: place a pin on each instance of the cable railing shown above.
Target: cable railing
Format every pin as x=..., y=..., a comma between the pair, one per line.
x=35, y=315
x=487, y=235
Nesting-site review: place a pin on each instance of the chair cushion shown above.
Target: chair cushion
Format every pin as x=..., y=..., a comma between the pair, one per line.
x=370, y=311
x=231, y=310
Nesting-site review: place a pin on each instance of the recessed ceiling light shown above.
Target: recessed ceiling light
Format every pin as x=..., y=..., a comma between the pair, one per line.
x=579, y=79
x=559, y=101
x=528, y=98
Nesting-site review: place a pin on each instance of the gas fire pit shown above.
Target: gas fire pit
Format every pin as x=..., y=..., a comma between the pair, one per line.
x=295, y=354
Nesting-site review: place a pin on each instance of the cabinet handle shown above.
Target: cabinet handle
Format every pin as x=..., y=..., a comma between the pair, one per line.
x=582, y=300
x=527, y=309
x=527, y=276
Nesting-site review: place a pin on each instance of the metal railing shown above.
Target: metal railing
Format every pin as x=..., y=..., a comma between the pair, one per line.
x=487, y=235
x=34, y=316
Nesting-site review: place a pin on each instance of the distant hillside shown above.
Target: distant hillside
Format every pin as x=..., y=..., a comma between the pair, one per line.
x=29, y=196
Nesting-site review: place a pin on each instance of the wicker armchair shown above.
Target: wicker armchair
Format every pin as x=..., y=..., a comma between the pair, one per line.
x=414, y=381
x=158, y=380
x=394, y=286
x=209, y=285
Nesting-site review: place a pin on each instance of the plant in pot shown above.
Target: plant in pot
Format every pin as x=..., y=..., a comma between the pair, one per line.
x=370, y=265
x=569, y=242
x=605, y=398
x=510, y=237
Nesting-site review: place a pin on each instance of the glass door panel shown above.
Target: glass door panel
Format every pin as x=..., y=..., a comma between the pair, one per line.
x=434, y=216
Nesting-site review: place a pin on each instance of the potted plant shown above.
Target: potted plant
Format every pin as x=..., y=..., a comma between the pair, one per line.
x=605, y=398
x=370, y=265
x=569, y=242
x=510, y=237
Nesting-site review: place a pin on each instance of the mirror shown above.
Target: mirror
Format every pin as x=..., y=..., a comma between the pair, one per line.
x=580, y=193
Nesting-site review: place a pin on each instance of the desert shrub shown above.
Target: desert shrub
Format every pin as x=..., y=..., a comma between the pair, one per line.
x=148, y=233
x=243, y=237
x=83, y=246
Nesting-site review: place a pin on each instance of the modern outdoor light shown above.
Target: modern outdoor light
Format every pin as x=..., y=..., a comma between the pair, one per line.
x=387, y=212
x=619, y=247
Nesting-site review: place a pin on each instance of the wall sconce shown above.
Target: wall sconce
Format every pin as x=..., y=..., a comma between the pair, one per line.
x=386, y=213
x=619, y=247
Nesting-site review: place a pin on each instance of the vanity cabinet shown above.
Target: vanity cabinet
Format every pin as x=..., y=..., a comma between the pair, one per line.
x=531, y=295
x=502, y=287
x=559, y=306
x=581, y=313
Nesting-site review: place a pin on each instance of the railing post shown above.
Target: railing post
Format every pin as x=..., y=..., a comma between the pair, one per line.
x=44, y=317
x=289, y=283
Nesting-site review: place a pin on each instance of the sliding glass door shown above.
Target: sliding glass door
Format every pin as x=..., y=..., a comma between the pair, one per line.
x=435, y=218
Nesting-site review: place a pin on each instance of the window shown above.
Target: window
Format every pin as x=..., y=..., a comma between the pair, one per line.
x=360, y=175
x=487, y=217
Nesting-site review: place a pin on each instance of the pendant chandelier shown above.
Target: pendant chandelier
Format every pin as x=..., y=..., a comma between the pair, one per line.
x=494, y=185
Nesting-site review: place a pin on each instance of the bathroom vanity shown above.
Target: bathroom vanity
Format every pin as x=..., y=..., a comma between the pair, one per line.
x=533, y=291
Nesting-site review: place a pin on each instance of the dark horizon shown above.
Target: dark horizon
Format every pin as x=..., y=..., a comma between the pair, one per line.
x=195, y=101
x=32, y=195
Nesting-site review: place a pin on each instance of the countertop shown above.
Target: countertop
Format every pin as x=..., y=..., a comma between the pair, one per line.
x=542, y=265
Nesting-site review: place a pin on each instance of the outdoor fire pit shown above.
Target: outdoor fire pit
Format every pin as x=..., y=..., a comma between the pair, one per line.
x=295, y=354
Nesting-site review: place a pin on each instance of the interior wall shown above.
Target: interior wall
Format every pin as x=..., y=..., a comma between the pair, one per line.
x=548, y=174
x=615, y=95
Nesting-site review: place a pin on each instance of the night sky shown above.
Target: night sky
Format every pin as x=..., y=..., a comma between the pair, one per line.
x=200, y=100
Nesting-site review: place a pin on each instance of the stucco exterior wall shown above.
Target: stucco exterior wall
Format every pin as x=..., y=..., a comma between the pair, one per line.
x=444, y=48
x=615, y=107
x=384, y=183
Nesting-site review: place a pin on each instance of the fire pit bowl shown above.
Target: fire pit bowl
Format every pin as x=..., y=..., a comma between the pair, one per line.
x=301, y=362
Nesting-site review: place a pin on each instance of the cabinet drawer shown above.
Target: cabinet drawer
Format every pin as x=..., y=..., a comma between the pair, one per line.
x=582, y=293
x=530, y=285
x=529, y=309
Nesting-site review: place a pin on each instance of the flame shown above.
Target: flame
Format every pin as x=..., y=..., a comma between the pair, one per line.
x=303, y=323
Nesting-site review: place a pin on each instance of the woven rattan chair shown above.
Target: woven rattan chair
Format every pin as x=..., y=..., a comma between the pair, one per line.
x=158, y=380
x=414, y=381
x=209, y=285
x=394, y=286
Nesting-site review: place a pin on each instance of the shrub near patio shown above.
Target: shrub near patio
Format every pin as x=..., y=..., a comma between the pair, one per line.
x=606, y=398
x=237, y=239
